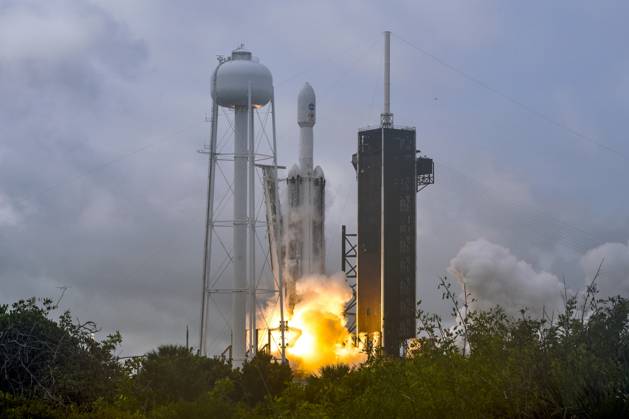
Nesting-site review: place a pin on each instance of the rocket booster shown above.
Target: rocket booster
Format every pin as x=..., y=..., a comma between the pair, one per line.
x=305, y=240
x=306, y=118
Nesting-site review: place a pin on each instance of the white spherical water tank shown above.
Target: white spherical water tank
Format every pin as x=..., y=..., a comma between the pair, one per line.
x=233, y=77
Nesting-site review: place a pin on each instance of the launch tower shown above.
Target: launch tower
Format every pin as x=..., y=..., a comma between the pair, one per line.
x=389, y=172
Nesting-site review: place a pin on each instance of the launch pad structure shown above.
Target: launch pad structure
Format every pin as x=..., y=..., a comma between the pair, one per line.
x=387, y=161
x=379, y=259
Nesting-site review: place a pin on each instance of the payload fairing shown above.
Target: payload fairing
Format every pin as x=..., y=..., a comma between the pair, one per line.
x=304, y=233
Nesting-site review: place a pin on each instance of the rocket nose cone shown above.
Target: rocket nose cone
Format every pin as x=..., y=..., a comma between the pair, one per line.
x=307, y=93
x=306, y=106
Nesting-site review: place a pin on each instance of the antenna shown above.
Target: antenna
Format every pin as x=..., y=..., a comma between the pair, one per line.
x=386, y=118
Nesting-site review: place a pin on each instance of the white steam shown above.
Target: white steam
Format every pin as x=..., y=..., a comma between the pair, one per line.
x=494, y=276
x=614, y=276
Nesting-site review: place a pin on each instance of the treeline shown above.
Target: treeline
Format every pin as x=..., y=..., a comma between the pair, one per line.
x=477, y=365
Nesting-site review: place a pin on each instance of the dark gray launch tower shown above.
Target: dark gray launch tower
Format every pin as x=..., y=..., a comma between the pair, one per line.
x=390, y=172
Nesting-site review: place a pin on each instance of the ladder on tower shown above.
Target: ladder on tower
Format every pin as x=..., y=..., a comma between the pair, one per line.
x=348, y=266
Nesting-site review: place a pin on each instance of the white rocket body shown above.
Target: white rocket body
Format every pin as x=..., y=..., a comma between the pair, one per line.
x=305, y=239
x=306, y=118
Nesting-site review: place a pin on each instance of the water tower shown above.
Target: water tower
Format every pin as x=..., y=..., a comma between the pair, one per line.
x=240, y=85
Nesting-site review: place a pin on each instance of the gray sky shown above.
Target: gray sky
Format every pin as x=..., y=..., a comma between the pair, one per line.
x=523, y=105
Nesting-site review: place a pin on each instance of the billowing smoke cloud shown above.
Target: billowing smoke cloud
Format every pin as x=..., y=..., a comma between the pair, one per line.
x=494, y=276
x=614, y=275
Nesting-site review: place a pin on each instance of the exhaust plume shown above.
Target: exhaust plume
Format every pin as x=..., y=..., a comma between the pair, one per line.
x=317, y=335
x=494, y=276
x=614, y=276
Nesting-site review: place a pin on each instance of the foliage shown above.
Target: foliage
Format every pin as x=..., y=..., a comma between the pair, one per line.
x=58, y=361
x=262, y=378
x=489, y=364
x=477, y=364
x=216, y=403
x=174, y=373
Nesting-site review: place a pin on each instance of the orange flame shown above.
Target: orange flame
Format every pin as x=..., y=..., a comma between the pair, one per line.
x=317, y=335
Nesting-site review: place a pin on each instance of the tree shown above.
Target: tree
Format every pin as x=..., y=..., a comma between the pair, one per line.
x=262, y=377
x=174, y=373
x=57, y=361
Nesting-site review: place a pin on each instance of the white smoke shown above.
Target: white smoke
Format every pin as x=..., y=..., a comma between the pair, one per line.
x=494, y=276
x=614, y=275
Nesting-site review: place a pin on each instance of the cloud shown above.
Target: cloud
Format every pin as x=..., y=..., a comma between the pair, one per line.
x=51, y=33
x=58, y=32
x=494, y=276
x=66, y=68
x=614, y=275
x=102, y=105
x=9, y=216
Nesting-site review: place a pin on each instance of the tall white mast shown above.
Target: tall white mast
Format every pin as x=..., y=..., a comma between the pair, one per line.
x=386, y=118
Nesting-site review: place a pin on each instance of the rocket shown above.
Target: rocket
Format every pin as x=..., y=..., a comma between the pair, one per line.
x=304, y=246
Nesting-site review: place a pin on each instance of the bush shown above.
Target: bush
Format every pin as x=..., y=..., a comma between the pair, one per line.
x=56, y=361
x=173, y=373
x=262, y=378
x=484, y=364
